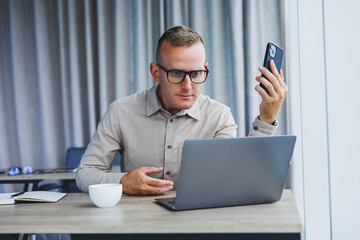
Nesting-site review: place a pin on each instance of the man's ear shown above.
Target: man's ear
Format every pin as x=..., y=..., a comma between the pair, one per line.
x=206, y=65
x=155, y=72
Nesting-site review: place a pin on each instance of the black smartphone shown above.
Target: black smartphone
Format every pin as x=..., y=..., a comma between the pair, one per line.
x=272, y=52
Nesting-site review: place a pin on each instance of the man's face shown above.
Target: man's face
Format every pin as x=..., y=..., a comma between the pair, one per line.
x=176, y=97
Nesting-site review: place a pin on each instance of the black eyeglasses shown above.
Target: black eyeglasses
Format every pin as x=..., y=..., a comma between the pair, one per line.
x=178, y=76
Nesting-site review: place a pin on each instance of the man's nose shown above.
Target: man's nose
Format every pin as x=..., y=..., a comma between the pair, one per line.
x=186, y=84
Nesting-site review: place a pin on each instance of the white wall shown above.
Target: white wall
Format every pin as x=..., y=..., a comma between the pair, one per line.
x=342, y=54
x=323, y=40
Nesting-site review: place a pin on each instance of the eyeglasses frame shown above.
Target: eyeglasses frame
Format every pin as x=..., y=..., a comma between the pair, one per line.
x=186, y=73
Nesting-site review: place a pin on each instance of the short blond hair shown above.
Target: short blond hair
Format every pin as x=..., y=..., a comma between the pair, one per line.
x=178, y=36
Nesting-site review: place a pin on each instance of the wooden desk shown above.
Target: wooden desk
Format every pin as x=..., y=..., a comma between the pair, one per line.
x=140, y=217
x=36, y=178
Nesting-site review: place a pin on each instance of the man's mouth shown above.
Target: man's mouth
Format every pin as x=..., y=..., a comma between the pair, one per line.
x=185, y=96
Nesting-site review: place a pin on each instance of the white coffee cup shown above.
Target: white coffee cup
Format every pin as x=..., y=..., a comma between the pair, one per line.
x=105, y=195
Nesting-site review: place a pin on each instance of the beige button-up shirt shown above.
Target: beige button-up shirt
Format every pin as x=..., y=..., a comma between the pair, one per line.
x=146, y=135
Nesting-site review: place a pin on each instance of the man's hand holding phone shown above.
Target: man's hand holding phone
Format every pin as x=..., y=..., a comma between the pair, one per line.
x=273, y=98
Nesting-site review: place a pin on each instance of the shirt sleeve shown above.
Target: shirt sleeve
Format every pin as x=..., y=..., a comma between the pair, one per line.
x=260, y=128
x=96, y=163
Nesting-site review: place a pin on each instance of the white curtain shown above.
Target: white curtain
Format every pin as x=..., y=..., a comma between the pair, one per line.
x=63, y=61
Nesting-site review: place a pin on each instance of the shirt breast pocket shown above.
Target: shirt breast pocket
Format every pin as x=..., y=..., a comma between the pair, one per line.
x=148, y=155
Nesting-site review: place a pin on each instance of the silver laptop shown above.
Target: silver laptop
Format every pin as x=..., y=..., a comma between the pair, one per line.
x=231, y=171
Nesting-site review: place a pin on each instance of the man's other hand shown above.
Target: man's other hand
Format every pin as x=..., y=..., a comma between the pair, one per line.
x=137, y=182
x=272, y=101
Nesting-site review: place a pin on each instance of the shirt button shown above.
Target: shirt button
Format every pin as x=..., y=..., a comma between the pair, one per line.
x=255, y=128
x=171, y=120
x=168, y=173
x=169, y=146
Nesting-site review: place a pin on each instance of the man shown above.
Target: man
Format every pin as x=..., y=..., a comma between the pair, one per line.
x=149, y=128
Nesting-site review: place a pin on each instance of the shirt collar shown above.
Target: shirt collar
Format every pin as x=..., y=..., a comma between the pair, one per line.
x=194, y=111
x=153, y=105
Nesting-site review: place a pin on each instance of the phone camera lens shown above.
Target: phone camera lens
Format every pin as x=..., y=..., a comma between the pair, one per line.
x=272, y=51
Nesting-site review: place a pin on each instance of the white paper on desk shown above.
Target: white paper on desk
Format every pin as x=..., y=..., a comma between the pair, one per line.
x=40, y=196
x=5, y=198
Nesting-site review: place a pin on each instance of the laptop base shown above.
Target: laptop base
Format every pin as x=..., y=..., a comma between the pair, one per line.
x=167, y=202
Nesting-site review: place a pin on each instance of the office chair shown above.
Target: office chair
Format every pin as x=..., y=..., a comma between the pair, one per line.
x=73, y=158
x=74, y=155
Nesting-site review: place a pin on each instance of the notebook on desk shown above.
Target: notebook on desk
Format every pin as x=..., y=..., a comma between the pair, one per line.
x=231, y=171
x=35, y=196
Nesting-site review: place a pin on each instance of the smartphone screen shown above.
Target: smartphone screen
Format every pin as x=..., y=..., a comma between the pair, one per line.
x=272, y=52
